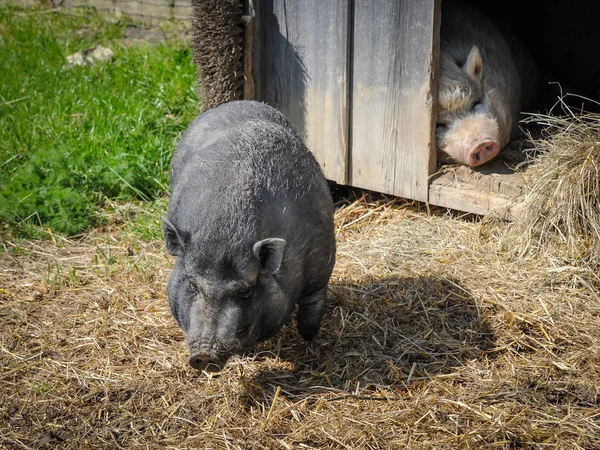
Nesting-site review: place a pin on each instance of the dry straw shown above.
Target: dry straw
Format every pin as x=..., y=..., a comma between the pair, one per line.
x=563, y=202
x=437, y=336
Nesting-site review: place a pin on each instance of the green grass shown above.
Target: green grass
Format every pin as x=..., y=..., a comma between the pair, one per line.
x=71, y=138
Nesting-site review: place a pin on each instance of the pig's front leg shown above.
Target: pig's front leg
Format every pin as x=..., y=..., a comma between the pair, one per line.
x=310, y=312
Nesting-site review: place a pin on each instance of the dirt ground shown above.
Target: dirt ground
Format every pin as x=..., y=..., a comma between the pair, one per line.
x=438, y=335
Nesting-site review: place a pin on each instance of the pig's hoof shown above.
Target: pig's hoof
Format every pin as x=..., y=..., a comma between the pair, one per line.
x=206, y=362
x=310, y=312
x=308, y=333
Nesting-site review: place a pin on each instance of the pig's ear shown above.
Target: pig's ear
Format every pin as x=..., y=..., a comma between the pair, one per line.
x=270, y=253
x=474, y=65
x=176, y=239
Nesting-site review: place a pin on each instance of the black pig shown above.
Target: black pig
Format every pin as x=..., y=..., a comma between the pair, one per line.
x=250, y=221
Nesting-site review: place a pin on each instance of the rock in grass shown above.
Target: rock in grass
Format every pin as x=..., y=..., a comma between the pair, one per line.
x=89, y=56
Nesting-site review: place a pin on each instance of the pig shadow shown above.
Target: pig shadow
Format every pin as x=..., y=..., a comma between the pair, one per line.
x=389, y=332
x=284, y=75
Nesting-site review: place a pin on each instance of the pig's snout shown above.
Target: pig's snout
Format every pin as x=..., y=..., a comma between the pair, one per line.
x=482, y=153
x=203, y=361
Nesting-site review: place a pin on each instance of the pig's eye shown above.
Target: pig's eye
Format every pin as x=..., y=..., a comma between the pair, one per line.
x=193, y=284
x=245, y=293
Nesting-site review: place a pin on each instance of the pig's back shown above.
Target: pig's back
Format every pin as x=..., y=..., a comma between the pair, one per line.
x=241, y=170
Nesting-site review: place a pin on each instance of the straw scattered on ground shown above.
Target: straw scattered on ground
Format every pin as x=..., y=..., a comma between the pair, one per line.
x=437, y=336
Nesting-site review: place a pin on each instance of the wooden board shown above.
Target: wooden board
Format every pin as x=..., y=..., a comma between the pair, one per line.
x=302, y=54
x=250, y=19
x=395, y=46
x=494, y=189
x=253, y=62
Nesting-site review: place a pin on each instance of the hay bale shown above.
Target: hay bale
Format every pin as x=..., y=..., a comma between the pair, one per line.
x=217, y=48
x=563, y=201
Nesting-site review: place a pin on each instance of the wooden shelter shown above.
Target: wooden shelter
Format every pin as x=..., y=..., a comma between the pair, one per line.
x=359, y=79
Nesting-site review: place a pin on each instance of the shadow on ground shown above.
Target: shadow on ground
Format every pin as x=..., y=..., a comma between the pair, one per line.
x=391, y=332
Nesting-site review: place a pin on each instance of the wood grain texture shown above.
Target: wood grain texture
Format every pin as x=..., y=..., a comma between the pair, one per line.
x=494, y=177
x=304, y=74
x=466, y=198
x=394, y=66
x=493, y=189
x=257, y=34
x=249, y=14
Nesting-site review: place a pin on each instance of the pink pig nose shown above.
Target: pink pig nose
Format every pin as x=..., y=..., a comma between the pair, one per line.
x=482, y=153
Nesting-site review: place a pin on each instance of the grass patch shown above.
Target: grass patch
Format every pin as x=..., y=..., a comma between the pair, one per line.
x=74, y=137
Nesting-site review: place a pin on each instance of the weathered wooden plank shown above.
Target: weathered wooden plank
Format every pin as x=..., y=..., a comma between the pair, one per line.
x=474, y=201
x=395, y=48
x=494, y=177
x=182, y=10
x=249, y=15
x=256, y=65
x=492, y=189
x=20, y=3
x=76, y=3
x=304, y=74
